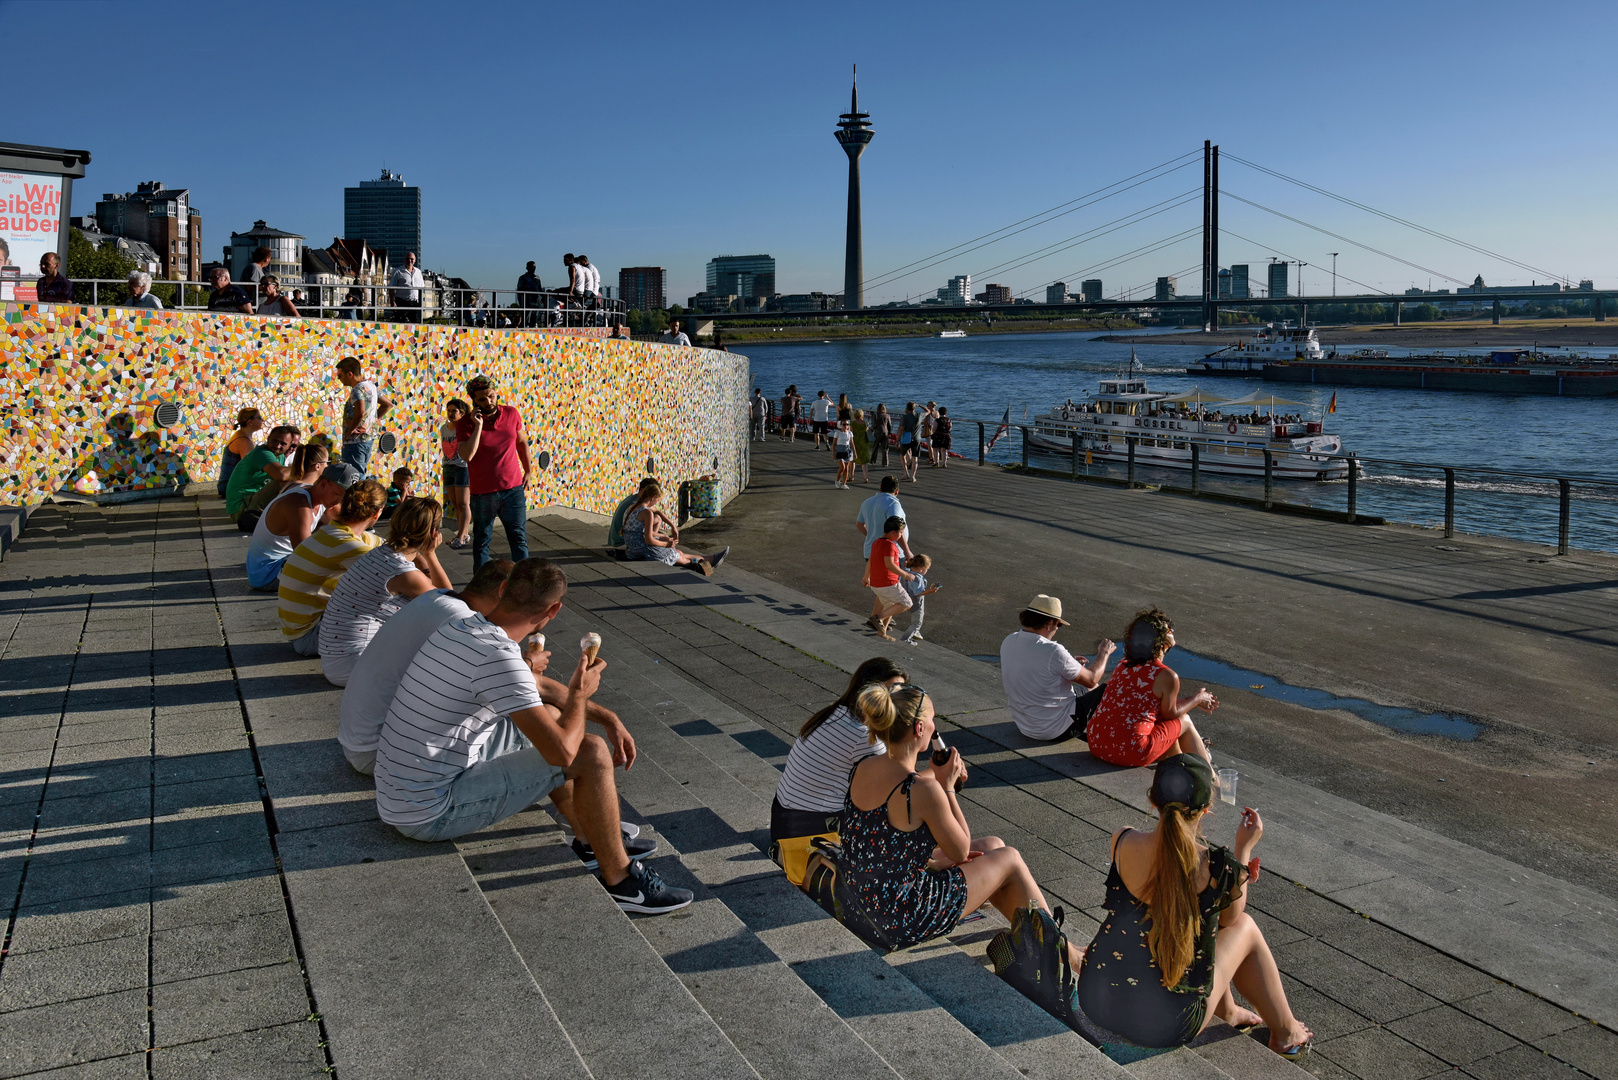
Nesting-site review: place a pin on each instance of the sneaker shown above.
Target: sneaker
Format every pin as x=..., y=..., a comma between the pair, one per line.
x=643, y=890
x=633, y=847
x=629, y=829
x=917, y=637
x=718, y=557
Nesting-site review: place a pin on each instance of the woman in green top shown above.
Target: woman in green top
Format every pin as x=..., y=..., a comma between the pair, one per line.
x=862, y=446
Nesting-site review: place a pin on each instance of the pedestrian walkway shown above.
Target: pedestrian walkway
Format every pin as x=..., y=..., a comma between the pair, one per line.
x=198, y=885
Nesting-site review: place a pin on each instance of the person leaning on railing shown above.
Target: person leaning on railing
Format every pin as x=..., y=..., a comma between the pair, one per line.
x=226, y=296
x=53, y=286
x=140, y=291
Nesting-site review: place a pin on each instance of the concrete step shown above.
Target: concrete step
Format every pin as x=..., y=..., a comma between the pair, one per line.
x=719, y=815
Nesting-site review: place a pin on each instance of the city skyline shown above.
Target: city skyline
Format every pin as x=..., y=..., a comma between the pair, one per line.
x=1051, y=116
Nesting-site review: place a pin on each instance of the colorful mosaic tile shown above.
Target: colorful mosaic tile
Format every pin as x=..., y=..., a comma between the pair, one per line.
x=82, y=386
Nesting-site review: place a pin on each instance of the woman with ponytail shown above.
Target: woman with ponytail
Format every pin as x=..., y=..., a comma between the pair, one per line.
x=1177, y=935
x=907, y=848
x=1142, y=718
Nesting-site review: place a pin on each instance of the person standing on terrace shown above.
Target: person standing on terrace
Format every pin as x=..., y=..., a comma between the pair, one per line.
x=226, y=296
x=260, y=261
x=140, y=292
x=673, y=335
x=406, y=285
x=53, y=287
x=528, y=298
x=495, y=448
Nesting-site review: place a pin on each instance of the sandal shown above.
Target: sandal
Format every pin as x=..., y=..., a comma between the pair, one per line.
x=457, y=543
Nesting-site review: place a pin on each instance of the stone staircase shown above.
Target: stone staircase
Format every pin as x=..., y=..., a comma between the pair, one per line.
x=500, y=955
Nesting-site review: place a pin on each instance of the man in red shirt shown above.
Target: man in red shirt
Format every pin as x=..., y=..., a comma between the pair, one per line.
x=882, y=575
x=495, y=449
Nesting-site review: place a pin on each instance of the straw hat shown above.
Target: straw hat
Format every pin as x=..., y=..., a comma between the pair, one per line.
x=1048, y=606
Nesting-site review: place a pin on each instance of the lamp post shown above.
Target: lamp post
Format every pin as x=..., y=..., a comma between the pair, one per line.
x=1334, y=273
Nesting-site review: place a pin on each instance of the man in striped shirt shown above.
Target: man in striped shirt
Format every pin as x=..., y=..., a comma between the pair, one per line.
x=469, y=740
x=311, y=571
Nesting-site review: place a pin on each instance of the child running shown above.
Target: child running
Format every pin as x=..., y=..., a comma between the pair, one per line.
x=918, y=588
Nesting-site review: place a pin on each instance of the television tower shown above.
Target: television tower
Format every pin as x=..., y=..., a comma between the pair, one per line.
x=854, y=133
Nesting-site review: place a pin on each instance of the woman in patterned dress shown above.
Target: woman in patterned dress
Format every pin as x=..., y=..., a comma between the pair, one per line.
x=1142, y=718
x=907, y=848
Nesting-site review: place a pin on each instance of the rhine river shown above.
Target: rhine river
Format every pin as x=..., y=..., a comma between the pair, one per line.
x=980, y=376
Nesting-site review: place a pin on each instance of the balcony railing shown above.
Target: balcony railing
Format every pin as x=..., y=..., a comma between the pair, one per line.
x=500, y=309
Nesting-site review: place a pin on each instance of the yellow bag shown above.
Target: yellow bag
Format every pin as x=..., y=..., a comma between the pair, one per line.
x=792, y=854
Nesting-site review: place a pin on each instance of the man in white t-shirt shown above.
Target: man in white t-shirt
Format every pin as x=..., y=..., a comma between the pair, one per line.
x=406, y=284
x=820, y=416
x=361, y=411
x=874, y=513
x=469, y=740
x=1041, y=676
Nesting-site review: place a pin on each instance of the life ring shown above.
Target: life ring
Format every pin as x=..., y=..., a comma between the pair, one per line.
x=1231, y=428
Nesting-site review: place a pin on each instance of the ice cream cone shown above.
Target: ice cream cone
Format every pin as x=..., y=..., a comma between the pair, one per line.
x=590, y=645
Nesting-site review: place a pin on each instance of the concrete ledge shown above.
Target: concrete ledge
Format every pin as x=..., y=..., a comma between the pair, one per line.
x=13, y=520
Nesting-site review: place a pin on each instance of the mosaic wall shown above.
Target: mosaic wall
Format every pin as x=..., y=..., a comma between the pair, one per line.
x=80, y=401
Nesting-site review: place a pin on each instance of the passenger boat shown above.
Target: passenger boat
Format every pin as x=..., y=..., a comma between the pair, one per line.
x=1273, y=344
x=1165, y=426
x=951, y=333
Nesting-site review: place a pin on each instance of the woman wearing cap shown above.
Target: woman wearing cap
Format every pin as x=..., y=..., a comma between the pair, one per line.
x=907, y=848
x=1177, y=935
x=1141, y=717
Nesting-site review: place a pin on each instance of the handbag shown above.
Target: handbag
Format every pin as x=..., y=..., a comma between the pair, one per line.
x=827, y=882
x=792, y=853
x=1032, y=957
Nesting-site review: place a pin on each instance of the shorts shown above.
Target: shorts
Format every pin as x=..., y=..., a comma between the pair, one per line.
x=822, y=427
x=493, y=789
x=894, y=594
x=909, y=448
x=845, y=454
x=456, y=474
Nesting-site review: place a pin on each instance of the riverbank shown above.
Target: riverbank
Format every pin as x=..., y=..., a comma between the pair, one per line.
x=1492, y=630
x=1470, y=333
x=832, y=332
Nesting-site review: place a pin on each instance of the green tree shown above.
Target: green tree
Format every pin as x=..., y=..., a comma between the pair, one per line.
x=86, y=261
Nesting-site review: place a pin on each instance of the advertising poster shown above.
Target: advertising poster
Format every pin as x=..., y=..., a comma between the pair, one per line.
x=30, y=218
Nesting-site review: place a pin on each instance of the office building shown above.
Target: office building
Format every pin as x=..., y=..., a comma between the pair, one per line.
x=643, y=287
x=1278, y=280
x=162, y=218
x=742, y=275
x=995, y=294
x=958, y=291
x=1167, y=288
x=815, y=301
x=1239, y=288
x=286, y=252
x=1224, y=285
x=1091, y=289
x=386, y=215
x=1057, y=293
x=710, y=303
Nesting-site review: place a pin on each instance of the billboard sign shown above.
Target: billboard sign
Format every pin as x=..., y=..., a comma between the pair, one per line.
x=30, y=218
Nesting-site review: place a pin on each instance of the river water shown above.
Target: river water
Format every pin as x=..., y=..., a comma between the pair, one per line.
x=980, y=376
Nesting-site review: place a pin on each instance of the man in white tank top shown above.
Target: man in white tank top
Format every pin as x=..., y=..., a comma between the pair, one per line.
x=289, y=519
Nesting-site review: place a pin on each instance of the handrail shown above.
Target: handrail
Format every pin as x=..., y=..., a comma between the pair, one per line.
x=525, y=310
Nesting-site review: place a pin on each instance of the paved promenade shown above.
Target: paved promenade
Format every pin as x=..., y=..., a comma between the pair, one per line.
x=198, y=885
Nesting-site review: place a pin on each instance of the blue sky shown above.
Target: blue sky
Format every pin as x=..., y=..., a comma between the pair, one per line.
x=648, y=134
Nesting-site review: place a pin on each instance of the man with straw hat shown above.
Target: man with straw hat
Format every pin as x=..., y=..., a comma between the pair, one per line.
x=1041, y=677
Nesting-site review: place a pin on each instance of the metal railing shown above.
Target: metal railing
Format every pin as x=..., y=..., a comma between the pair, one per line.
x=501, y=309
x=1353, y=466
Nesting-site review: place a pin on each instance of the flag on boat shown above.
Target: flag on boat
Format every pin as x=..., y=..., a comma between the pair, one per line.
x=1333, y=406
x=1005, y=425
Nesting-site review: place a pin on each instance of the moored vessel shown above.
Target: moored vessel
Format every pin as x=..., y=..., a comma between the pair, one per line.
x=1232, y=434
x=1274, y=343
x=1508, y=371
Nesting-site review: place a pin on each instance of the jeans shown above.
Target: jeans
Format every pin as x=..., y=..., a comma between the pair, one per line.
x=309, y=643
x=917, y=614
x=510, y=777
x=511, y=507
x=358, y=454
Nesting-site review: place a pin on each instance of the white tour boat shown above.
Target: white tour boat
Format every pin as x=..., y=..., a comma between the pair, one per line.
x=1275, y=343
x=951, y=333
x=1165, y=426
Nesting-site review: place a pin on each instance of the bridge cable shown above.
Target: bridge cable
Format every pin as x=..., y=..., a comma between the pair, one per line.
x=1344, y=239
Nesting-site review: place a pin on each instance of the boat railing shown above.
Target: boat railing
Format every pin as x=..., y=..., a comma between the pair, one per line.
x=1352, y=466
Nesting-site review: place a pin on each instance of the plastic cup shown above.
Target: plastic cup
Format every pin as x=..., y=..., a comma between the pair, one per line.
x=1227, y=786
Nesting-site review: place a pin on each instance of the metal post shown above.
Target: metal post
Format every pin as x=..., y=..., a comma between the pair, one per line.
x=1024, y=428
x=1601, y=308
x=1353, y=487
x=1075, y=437
x=1196, y=468
x=1269, y=477
x=1564, y=488
x=1130, y=439
x=1398, y=310
x=1497, y=313
x=983, y=455
x=1449, y=504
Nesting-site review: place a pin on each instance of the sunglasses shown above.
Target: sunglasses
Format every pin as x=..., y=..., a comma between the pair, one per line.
x=921, y=699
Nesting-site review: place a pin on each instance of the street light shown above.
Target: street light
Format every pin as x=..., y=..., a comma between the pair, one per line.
x=1334, y=273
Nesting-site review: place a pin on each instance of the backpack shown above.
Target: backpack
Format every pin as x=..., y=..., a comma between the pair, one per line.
x=826, y=882
x=1032, y=957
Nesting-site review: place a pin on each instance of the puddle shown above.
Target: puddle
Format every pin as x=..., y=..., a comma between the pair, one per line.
x=1195, y=670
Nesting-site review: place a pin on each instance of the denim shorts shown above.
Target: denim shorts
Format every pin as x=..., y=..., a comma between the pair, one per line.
x=456, y=474
x=510, y=778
